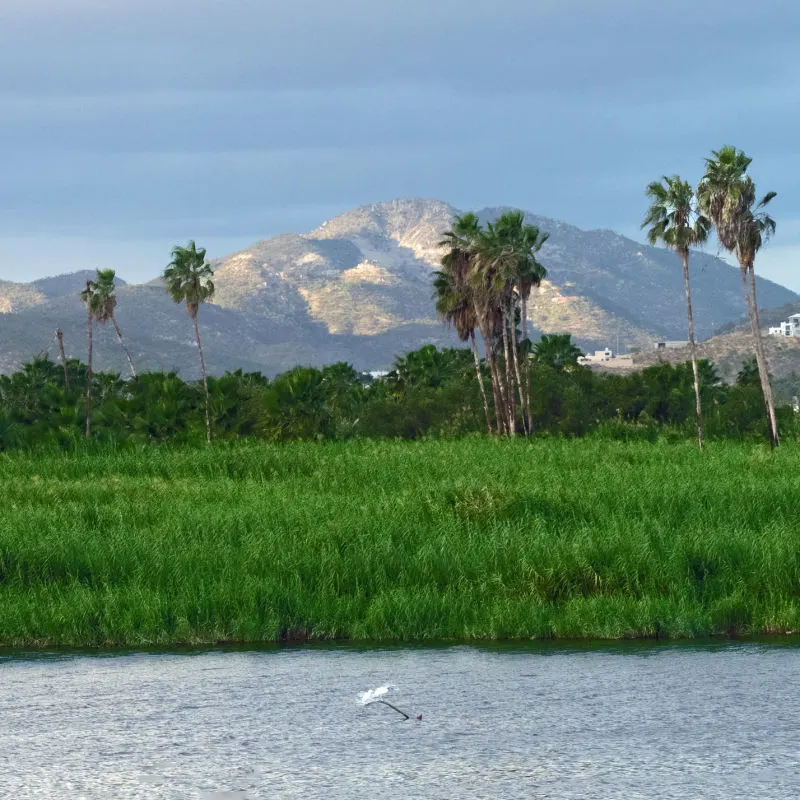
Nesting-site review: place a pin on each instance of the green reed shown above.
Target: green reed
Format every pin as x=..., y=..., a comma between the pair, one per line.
x=381, y=540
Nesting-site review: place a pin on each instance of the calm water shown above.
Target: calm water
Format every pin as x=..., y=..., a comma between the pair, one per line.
x=628, y=722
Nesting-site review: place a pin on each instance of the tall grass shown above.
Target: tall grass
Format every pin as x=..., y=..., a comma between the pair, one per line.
x=465, y=539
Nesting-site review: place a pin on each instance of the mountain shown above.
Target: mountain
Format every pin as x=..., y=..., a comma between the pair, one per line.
x=358, y=288
x=728, y=351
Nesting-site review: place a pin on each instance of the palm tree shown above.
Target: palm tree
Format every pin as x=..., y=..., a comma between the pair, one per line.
x=674, y=220
x=188, y=279
x=525, y=242
x=727, y=196
x=455, y=307
x=493, y=281
x=91, y=298
x=456, y=300
x=107, y=302
x=507, y=271
x=60, y=337
x=488, y=305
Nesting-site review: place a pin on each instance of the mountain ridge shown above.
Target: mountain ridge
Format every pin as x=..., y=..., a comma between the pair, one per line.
x=358, y=288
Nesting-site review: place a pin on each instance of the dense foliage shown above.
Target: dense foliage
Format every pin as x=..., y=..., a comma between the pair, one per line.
x=428, y=393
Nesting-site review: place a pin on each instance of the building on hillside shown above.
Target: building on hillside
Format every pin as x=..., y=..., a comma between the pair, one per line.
x=597, y=356
x=789, y=327
x=607, y=359
x=664, y=345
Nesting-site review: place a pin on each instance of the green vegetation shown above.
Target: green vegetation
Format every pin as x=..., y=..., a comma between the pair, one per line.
x=476, y=538
x=428, y=393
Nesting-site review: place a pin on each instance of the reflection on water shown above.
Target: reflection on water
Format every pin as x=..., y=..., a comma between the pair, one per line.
x=658, y=721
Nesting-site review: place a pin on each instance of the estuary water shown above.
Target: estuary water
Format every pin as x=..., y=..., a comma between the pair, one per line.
x=623, y=721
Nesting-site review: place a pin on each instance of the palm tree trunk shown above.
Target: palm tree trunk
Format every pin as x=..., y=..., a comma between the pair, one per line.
x=497, y=389
x=203, y=370
x=479, y=375
x=509, y=388
x=527, y=367
x=761, y=360
x=693, y=348
x=60, y=337
x=122, y=345
x=88, y=431
x=513, y=331
x=491, y=360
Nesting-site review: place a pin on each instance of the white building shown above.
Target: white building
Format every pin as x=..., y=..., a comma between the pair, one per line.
x=789, y=327
x=597, y=356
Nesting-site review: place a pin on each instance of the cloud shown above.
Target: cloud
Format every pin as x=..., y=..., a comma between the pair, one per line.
x=152, y=121
x=210, y=44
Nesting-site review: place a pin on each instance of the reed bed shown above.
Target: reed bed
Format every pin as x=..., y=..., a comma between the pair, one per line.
x=468, y=539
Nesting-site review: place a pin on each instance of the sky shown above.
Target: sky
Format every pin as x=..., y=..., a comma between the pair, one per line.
x=128, y=126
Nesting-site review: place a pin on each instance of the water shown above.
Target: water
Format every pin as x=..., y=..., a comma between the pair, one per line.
x=644, y=721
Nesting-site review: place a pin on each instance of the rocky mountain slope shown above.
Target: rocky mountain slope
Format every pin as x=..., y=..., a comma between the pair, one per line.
x=729, y=350
x=358, y=288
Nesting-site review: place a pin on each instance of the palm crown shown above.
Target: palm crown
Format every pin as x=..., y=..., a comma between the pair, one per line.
x=727, y=195
x=188, y=277
x=452, y=290
x=673, y=217
x=507, y=255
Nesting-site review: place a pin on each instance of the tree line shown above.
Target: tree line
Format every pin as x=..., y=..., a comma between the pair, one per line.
x=429, y=392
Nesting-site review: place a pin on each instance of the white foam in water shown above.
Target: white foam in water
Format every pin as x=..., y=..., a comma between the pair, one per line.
x=373, y=695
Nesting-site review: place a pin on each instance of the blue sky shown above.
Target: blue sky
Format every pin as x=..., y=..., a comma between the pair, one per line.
x=127, y=126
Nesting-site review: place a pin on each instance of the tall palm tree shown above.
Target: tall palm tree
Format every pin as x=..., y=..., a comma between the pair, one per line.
x=107, y=301
x=455, y=279
x=524, y=243
x=673, y=219
x=91, y=299
x=727, y=196
x=508, y=269
x=188, y=279
x=492, y=292
x=454, y=306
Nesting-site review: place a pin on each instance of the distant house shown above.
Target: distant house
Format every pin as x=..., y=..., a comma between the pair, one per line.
x=669, y=345
x=597, y=356
x=789, y=327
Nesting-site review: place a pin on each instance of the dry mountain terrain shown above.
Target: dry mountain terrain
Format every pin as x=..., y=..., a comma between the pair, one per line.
x=358, y=288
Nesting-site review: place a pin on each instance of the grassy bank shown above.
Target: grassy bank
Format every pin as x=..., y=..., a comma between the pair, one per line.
x=467, y=539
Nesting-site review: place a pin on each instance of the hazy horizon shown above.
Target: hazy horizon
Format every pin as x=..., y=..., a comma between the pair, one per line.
x=131, y=128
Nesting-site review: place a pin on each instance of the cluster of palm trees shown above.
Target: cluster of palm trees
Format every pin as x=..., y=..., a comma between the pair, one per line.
x=725, y=200
x=188, y=280
x=484, y=284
